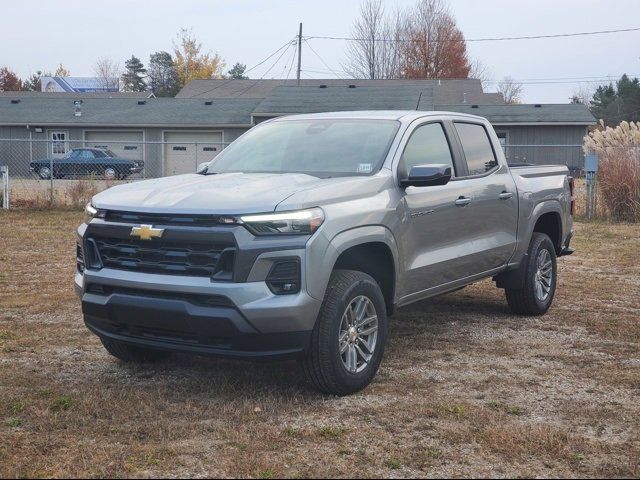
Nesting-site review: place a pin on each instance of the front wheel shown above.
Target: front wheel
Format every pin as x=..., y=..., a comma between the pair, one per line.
x=536, y=295
x=44, y=173
x=348, y=340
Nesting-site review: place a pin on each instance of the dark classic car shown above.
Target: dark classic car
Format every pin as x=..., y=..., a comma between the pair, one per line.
x=87, y=161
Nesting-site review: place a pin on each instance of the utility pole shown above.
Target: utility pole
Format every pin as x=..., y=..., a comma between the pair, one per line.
x=299, y=52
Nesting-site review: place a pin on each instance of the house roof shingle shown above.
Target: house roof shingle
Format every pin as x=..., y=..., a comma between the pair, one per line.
x=77, y=95
x=445, y=91
x=315, y=99
x=127, y=112
x=560, y=113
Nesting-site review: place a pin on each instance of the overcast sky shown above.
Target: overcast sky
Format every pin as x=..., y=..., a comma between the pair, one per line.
x=39, y=35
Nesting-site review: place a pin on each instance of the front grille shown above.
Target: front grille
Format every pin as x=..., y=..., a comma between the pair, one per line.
x=165, y=257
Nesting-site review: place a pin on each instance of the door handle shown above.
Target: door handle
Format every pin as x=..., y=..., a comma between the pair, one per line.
x=463, y=201
x=505, y=195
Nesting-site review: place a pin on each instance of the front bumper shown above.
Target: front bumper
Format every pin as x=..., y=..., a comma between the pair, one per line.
x=237, y=318
x=233, y=320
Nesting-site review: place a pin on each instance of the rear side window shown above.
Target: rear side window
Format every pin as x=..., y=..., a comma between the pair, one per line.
x=427, y=145
x=477, y=148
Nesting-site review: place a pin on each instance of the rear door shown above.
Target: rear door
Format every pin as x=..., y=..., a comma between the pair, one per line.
x=487, y=203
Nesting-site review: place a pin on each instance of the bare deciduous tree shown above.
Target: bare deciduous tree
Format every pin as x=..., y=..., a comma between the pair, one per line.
x=419, y=42
x=433, y=46
x=373, y=53
x=510, y=90
x=583, y=94
x=108, y=73
x=480, y=71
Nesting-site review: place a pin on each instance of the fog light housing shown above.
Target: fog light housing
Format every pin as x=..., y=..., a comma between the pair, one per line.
x=284, y=277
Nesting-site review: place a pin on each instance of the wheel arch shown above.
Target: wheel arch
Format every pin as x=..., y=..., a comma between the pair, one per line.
x=358, y=249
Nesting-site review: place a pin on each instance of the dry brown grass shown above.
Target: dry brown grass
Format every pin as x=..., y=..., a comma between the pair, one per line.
x=466, y=388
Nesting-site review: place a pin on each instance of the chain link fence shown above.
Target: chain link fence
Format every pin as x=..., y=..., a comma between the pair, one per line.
x=66, y=172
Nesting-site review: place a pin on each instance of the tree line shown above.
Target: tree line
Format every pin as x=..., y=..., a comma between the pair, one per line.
x=165, y=74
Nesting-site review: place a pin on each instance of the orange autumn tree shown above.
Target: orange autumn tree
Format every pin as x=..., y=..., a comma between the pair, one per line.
x=433, y=46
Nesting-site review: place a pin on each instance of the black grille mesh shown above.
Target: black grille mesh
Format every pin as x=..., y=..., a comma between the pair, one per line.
x=159, y=256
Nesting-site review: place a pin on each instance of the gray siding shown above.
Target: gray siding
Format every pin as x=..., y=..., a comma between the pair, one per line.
x=534, y=137
x=16, y=151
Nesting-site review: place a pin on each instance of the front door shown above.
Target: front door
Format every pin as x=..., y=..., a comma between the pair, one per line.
x=433, y=232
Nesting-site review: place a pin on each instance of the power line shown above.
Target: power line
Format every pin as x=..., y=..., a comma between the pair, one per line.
x=487, y=39
x=524, y=81
x=265, y=73
x=293, y=62
x=321, y=59
x=288, y=61
x=288, y=43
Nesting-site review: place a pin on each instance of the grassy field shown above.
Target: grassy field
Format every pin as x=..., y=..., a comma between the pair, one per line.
x=465, y=389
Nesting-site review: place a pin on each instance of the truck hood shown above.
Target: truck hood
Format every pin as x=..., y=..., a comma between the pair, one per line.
x=230, y=193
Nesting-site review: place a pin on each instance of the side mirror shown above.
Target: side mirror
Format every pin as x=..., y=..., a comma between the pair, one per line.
x=202, y=167
x=427, y=176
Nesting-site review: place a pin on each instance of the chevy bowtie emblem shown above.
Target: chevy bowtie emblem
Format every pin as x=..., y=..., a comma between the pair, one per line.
x=146, y=232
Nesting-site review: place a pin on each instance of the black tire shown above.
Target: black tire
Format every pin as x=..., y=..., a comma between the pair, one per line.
x=132, y=354
x=525, y=300
x=323, y=365
x=44, y=173
x=110, y=173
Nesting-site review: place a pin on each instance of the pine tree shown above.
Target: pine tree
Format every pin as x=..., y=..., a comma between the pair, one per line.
x=237, y=71
x=133, y=80
x=613, y=104
x=163, y=79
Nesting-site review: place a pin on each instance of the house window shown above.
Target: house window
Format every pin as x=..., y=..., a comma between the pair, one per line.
x=179, y=149
x=58, y=143
x=130, y=147
x=502, y=137
x=209, y=149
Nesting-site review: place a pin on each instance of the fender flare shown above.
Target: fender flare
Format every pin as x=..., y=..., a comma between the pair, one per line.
x=342, y=242
x=514, y=278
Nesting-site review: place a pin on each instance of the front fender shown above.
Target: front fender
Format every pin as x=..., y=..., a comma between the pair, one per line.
x=323, y=253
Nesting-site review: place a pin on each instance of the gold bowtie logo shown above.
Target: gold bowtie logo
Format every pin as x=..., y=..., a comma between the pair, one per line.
x=147, y=232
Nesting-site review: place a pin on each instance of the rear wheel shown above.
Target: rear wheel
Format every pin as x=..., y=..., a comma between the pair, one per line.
x=536, y=295
x=131, y=354
x=348, y=340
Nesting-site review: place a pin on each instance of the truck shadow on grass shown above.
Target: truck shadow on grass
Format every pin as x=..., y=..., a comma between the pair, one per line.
x=441, y=316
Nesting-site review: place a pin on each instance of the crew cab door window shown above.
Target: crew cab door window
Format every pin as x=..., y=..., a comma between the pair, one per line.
x=476, y=147
x=428, y=144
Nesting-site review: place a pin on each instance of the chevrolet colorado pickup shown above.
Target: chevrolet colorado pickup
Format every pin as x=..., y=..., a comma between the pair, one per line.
x=306, y=233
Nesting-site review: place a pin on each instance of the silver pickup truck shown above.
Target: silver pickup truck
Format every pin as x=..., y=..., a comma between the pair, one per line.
x=304, y=235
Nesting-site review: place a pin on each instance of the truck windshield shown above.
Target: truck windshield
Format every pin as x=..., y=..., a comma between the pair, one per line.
x=322, y=148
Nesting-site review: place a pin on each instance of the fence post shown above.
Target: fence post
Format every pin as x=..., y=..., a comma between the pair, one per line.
x=591, y=168
x=51, y=179
x=4, y=176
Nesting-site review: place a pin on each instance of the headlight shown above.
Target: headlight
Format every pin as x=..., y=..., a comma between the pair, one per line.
x=90, y=212
x=299, y=222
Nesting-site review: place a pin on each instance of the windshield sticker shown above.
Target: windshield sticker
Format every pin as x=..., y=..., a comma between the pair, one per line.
x=364, y=168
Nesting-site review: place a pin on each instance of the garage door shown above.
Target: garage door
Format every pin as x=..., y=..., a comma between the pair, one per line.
x=184, y=151
x=123, y=144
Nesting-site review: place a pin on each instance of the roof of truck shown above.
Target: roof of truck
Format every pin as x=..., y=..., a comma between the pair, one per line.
x=406, y=115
